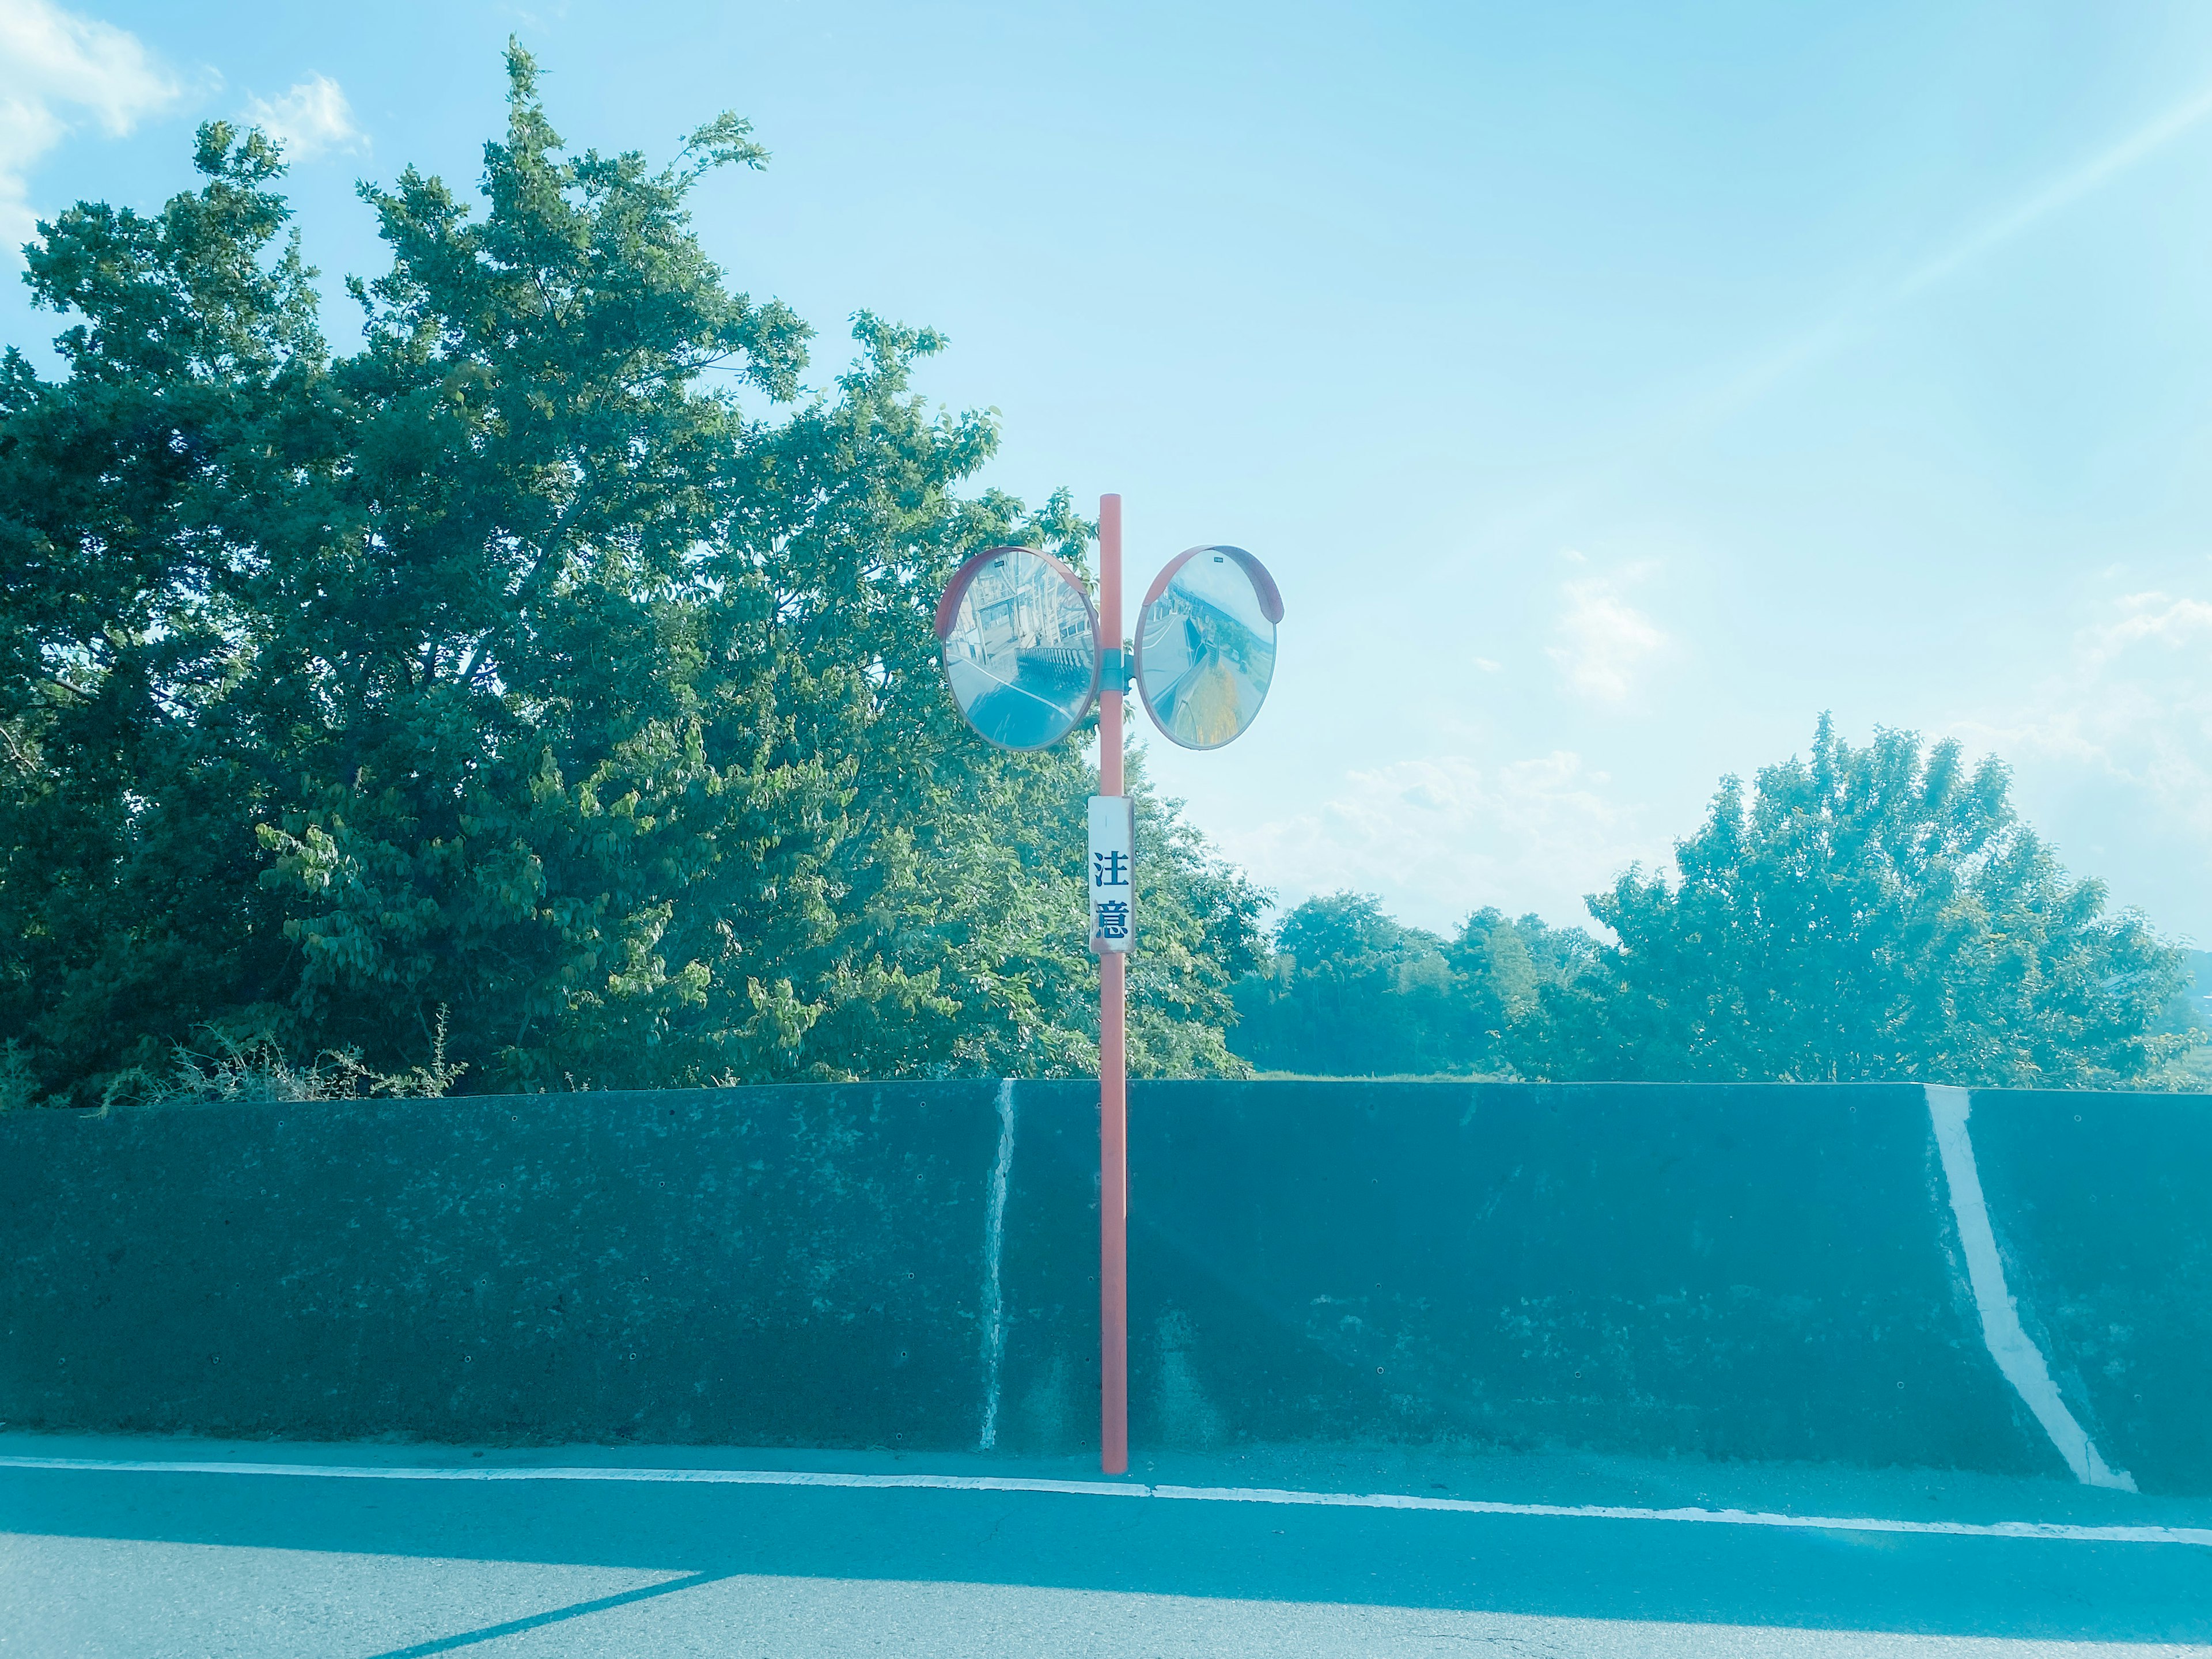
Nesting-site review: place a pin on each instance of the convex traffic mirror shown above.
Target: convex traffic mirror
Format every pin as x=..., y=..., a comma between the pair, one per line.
x=1205, y=645
x=1021, y=646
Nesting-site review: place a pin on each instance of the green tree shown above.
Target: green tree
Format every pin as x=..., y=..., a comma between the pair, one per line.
x=1350, y=992
x=1870, y=913
x=2189, y=1016
x=1501, y=967
x=557, y=658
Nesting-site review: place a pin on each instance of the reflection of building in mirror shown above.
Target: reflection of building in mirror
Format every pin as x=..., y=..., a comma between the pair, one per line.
x=1022, y=654
x=1208, y=652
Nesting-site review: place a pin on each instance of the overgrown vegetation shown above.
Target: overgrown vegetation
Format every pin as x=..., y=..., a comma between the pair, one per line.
x=258, y=1069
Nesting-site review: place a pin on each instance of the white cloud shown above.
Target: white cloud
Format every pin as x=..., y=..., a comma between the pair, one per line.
x=1605, y=639
x=312, y=119
x=2137, y=706
x=58, y=68
x=2114, y=756
x=2154, y=619
x=1439, y=838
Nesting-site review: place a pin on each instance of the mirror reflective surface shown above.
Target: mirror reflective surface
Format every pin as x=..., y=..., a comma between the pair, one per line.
x=1206, y=646
x=1021, y=646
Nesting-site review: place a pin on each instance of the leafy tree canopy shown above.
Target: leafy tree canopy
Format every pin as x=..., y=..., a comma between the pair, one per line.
x=1870, y=913
x=511, y=666
x=1351, y=991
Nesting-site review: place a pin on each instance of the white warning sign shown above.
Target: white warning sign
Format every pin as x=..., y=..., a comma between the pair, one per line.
x=1113, y=877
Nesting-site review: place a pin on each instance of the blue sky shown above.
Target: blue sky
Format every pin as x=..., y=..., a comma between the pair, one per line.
x=1612, y=388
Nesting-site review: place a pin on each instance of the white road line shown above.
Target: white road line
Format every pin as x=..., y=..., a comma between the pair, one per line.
x=2047, y=1531
x=1010, y=685
x=2017, y=1357
x=994, y=1241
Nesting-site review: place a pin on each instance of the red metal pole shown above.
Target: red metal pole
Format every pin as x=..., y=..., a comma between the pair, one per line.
x=1113, y=1054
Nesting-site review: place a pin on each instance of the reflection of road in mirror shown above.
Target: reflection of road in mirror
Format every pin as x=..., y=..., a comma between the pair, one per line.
x=1021, y=655
x=1208, y=652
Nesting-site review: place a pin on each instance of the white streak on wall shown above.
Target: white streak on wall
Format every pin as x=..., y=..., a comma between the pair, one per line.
x=994, y=1241
x=2018, y=1358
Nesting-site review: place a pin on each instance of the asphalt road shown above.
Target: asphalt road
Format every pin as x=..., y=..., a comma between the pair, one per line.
x=97, y=1560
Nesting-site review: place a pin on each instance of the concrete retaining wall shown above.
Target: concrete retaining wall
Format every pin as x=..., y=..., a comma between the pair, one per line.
x=767, y=1265
x=2102, y=1205
x=1754, y=1272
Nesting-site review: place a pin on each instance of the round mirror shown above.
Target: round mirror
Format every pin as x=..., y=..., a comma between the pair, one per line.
x=1205, y=645
x=1021, y=646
